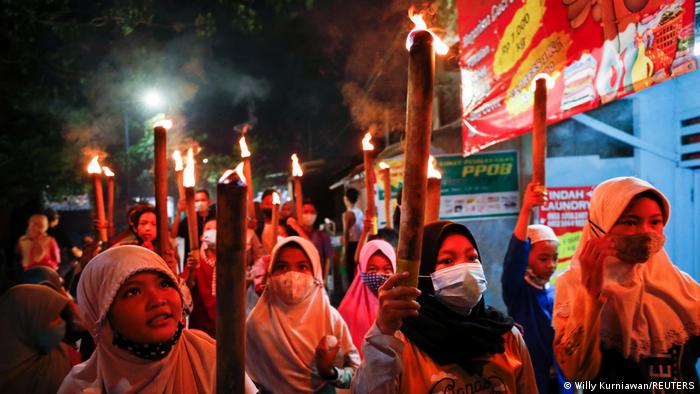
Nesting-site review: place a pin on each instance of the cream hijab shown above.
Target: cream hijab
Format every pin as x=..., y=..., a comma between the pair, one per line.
x=189, y=368
x=650, y=306
x=281, y=340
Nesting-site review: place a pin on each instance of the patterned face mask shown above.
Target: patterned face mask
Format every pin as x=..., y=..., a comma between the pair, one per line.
x=373, y=281
x=148, y=351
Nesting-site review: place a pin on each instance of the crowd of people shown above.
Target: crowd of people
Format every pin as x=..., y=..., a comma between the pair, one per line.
x=120, y=319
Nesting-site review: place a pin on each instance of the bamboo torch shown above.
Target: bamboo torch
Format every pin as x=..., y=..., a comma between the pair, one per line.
x=297, y=173
x=422, y=45
x=367, y=149
x=160, y=174
x=432, y=211
x=110, y=199
x=230, y=282
x=385, y=170
x=275, y=216
x=188, y=183
x=177, y=158
x=539, y=132
x=539, y=127
x=95, y=171
x=247, y=172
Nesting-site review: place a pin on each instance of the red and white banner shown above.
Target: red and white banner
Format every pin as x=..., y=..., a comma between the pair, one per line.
x=595, y=51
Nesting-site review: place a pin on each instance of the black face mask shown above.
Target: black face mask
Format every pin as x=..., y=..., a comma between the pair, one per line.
x=148, y=351
x=268, y=213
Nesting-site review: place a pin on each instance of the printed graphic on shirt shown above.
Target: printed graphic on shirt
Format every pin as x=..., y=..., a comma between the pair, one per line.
x=448, y=383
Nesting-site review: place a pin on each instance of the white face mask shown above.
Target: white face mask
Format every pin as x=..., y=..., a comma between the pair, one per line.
x=209, y=239
x=292, y=287
x=460, y=287
x=308, y=219
x=199, y=206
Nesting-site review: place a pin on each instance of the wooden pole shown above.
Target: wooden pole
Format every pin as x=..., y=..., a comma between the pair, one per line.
x=100, y=207
x=369, y=190
x=539, y=131
x=275, y=221
x=298, y=198
x=160, y=170
x=432, y=210
x=386, y=178
x=247, y=172
x=181, y=197
x=419, y=110
x=192, y=227
x=230, y=285
x=110, y=205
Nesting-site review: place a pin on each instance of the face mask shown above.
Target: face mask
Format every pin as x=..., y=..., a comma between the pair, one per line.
x=373, y=281
x=209, y=239
x=308, y=219
x=49, y=338
x=638, y=248
x=200, y=206
x=460, y=287
x=292, y=287
x=148, y=351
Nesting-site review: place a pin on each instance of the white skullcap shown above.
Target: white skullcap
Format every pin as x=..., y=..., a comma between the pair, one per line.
x=540, y=232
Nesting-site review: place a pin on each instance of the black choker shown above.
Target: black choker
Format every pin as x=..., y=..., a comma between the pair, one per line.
x=148, y=351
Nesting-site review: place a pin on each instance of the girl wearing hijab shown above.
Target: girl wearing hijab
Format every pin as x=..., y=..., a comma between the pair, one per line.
x=447, y=339
x=134, y=308
x=199, y=276
x=32, y=357
x=296, y=341
x=623, y=312
x=360, y=304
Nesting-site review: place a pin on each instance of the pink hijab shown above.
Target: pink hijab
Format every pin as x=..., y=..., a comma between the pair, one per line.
x=189, y=368
x=359, y=306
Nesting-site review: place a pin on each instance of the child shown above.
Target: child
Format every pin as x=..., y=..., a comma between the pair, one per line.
x=455, y=342
x=623, y=312
x=359, y=306
x=296, y=341
x=32, y=357
x=134, y=308
x=529, y=263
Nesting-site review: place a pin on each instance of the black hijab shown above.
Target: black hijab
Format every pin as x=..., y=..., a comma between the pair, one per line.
x=446, y=336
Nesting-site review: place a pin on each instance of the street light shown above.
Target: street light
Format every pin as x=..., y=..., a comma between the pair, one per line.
x=153, y=99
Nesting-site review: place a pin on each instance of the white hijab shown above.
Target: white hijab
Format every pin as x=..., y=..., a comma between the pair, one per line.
x=651, y=306
x=281, y=340
x=189, y=368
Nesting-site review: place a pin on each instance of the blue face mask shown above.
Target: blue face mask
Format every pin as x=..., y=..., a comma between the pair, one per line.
x=373, y=281
x=49, y=338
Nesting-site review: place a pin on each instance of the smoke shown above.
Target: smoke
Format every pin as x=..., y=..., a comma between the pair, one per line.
x=370, y=38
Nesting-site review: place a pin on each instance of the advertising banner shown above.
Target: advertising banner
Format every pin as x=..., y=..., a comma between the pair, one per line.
x=476, y=187
x=595, y=51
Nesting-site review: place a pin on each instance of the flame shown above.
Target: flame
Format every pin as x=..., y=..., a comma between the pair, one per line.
x=165, y=123
x=440, y=47
x=108, y=172
x=296, y=168
x=188, y=174
x=94, y=166
x=366, y=142
x=275, y=198
x=178, y=160
x=549, y=81
x=244, y=148
x=239, y=170
x=432, y=171
x=383, y=165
